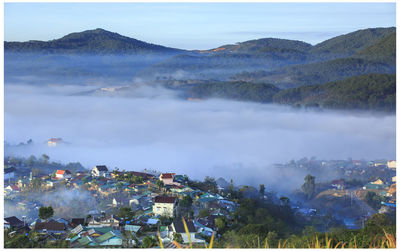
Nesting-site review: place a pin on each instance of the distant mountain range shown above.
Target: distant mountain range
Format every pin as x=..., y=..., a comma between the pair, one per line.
x=100, y=56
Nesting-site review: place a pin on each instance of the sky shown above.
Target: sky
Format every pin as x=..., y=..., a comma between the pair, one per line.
x=195, y=25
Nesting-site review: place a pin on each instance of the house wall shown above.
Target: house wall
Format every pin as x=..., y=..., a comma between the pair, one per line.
x=186, y=239
x=166, y=209
x=391, y=164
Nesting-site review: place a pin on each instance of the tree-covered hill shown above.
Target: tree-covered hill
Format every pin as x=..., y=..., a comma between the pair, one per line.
x=349, y=44
x=365, y=92
x=263, y=45
x=234, y=90
x=317, y=73
x=383, y=51
x=96, y=41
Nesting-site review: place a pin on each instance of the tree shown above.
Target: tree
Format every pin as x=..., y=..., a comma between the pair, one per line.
x=148, y=242
x=186, y=201
x=125, y=213
x=203, y=213
x=31, y=161
x=137, y=179
x=45, y=159
x=178, y=237
x=308, y=187
x=262, y=190
x=220, y=224
x=159, y=184
x=36, y=184
x=231, y=189
x=284, y=201
x=45, y=212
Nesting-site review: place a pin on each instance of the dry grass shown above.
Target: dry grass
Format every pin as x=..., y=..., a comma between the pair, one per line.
x=387, y=241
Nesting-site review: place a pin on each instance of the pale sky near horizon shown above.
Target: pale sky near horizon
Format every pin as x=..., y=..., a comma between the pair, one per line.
x=195, y=25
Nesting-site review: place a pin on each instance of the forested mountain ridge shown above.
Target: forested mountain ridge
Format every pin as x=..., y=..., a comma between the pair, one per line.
x=96, y=41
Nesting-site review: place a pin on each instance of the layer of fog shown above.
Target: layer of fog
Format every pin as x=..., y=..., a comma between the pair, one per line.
x=218, y=138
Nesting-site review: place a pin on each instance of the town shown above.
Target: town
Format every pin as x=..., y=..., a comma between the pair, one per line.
x=48, y=204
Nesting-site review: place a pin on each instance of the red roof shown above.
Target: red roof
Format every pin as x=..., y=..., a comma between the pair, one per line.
x=167, y=175
x=62, y=172
x=338, y=182
x=55, y=139
x=164, y=199
x=14, y=187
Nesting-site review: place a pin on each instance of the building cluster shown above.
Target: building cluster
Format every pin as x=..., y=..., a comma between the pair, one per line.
x=153, y=199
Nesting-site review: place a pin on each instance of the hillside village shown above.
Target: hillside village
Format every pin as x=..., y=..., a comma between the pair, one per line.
x=142, y=209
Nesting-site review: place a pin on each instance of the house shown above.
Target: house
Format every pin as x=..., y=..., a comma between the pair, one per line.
x=134, y=229
x=13, y=222
x=391, y=164
x=77, y=221
x=377, y=182
x=111, y=238
x=50, y=227
x=100, y=171
x=87, y=241
x=104, y=221
x=167, y=178
x=208, y=201
x=63, y=174
x=373, y=186
x=338, y=184
x=165, y=205
x=9, y=173
x=54, y=141
x=392, y=191
x=177, y=227
x=145, y=176
x=11, y=189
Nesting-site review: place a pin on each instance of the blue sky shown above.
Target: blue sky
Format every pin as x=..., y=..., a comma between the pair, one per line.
x=195, y=25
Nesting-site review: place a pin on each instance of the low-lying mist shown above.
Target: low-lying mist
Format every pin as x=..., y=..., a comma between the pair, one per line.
x=218, y=138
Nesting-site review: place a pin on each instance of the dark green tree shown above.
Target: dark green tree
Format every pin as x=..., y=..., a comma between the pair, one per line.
x=178, y=237
x=148, y=242
x=262, y=190
x=46, y=212
x=308, y=187
x=125, y=213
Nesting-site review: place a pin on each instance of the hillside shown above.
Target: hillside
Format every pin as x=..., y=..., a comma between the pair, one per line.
x=366, y=92
x=349, y=44
x=383, y=51
x=242, y=91
x=262, y=45
x=317, y=73
x=96, y=41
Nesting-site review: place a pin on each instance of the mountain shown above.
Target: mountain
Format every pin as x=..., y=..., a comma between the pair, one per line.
x=349, y=44
x=96, y=41
x=224, y=61
x=365, y=92
x=102, y=56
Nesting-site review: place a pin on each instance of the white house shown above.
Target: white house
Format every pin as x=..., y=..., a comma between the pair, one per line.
x=63, y=174
x=99, y=171
x=164, y=205
x=391, y=164
x=167, y=178
x=54, y=141
x=177, y=227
